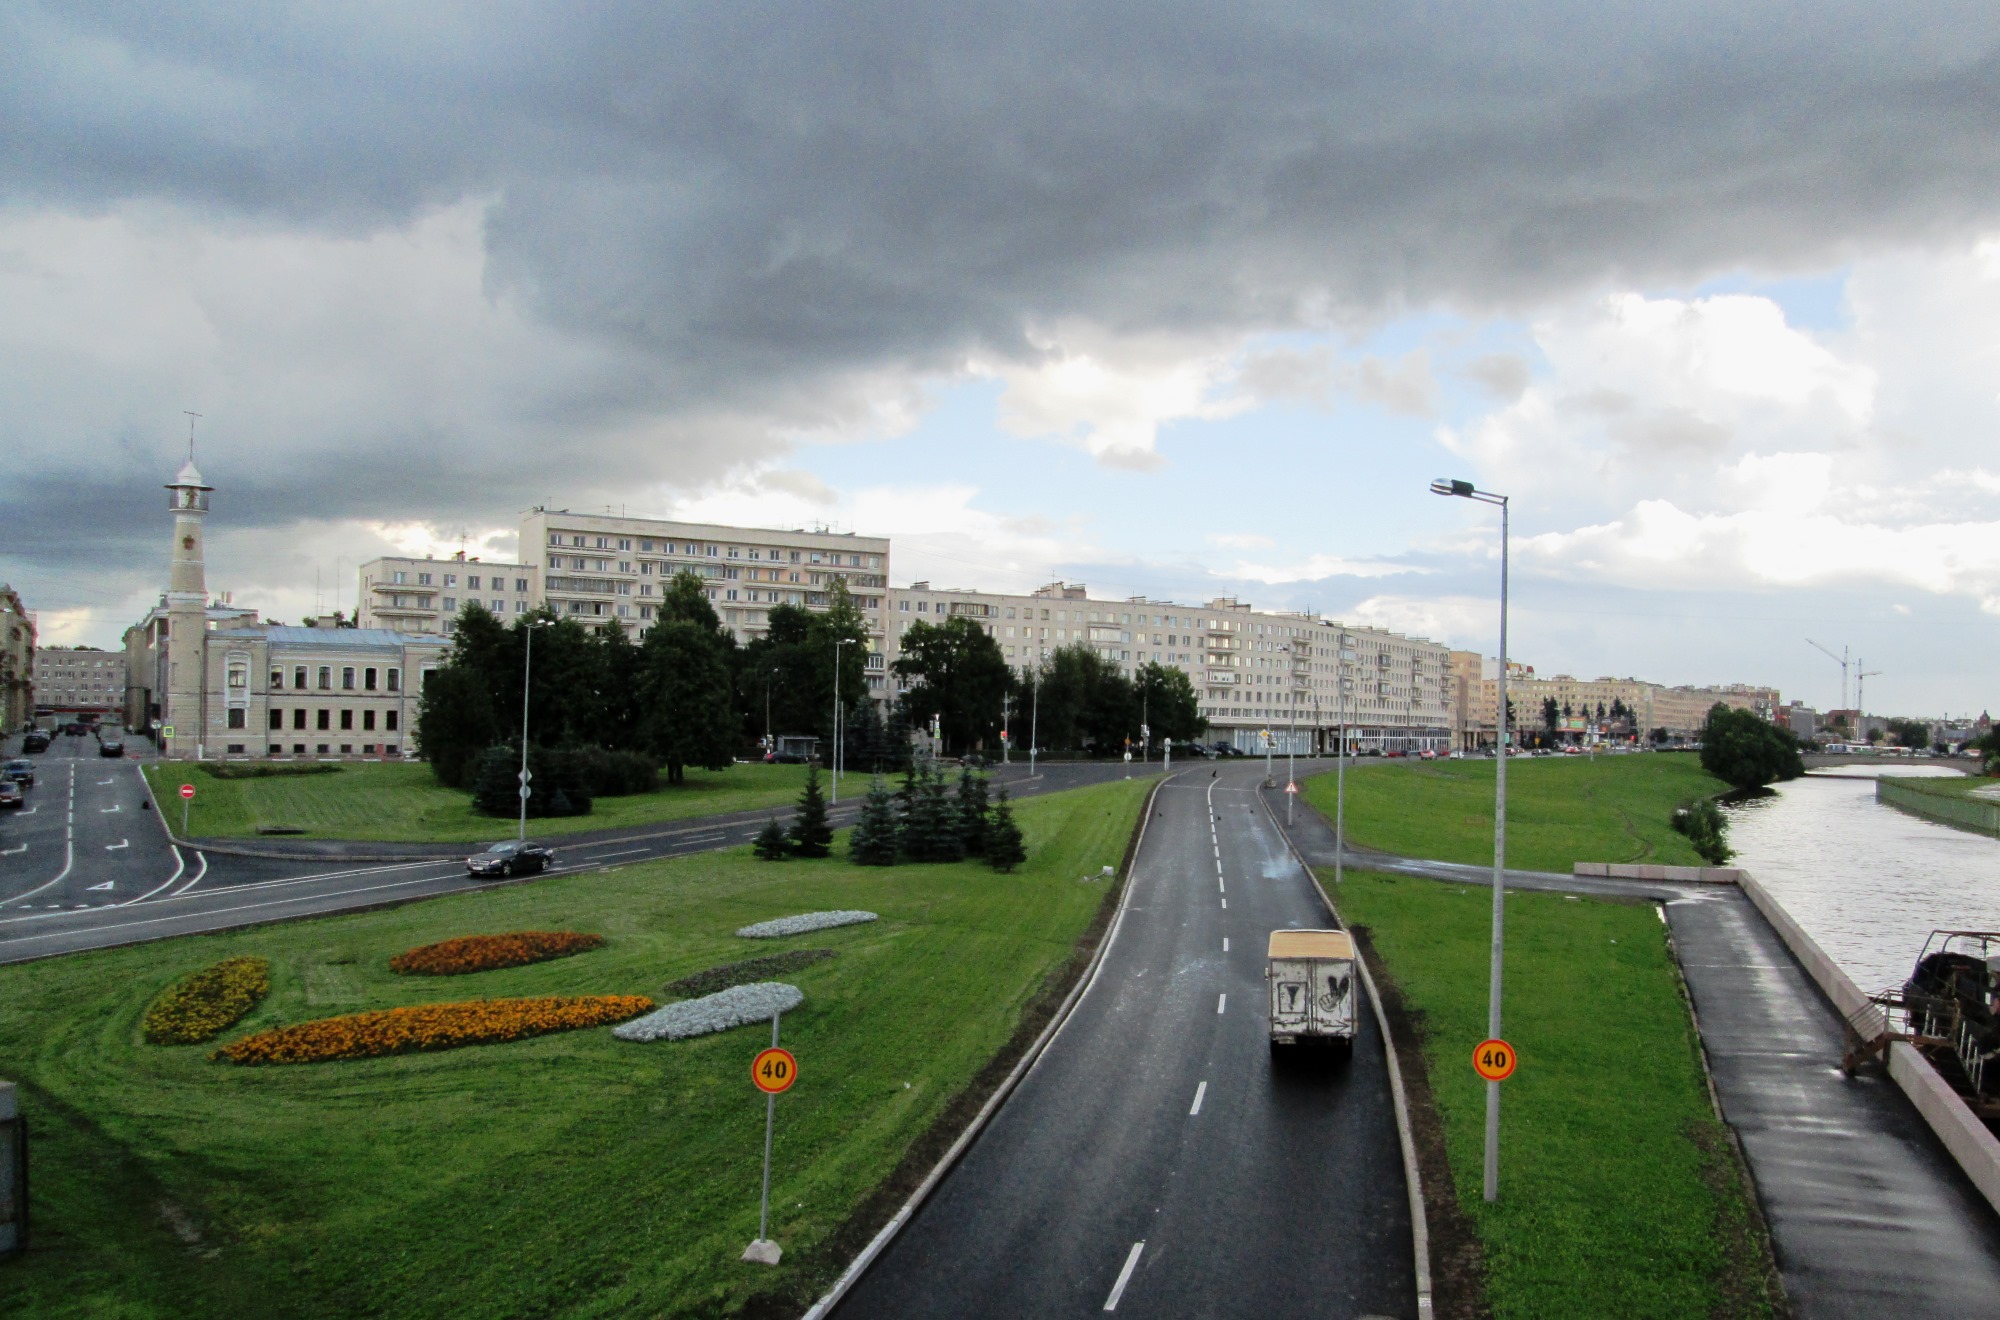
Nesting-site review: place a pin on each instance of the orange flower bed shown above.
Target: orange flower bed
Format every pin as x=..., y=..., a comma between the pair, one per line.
x=431, y=1027
x=483, y=953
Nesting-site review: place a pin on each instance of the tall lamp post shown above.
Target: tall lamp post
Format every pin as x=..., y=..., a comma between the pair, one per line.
x=844, y=641
x=1291, y=737
x=1466, y=490
x=1340, y=786
x=527, y=668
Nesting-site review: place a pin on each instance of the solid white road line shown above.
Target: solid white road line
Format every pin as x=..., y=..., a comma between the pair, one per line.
x=1199, y=1092
x=598, y=857
x=1221, y=1002
x=200, y=871
x=180, y=866
x=1124, y=1276
x=201, y=912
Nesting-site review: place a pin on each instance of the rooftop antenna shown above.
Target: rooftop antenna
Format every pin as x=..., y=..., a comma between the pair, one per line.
x=191, y=416
x=1840, y=660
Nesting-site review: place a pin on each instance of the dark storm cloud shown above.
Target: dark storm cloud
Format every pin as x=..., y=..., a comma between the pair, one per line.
x=759, y=213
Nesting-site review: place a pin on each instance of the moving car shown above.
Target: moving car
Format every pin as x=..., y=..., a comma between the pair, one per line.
x=11, y=793
x=35, y=740
x=20, y=770
x=111, y=747
x=513, y=857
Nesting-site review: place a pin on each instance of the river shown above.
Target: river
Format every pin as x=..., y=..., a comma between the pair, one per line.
x=1866, y=881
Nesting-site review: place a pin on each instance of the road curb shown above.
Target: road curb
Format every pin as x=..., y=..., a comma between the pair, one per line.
x=857, y=1267
x=1420, y=1236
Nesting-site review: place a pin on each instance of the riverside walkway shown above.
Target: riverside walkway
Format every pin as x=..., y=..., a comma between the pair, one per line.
x=1869, y=1214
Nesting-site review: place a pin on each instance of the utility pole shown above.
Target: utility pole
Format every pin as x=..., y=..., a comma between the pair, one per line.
x=1034, y=724
x=527, y=668
x=835, y=758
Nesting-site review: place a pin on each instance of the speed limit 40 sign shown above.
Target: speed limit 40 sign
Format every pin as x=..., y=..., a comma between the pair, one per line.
x=774, y=1070
x=1494, y=1060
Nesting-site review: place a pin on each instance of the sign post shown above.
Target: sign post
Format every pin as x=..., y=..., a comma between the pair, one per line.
x=773, y=1071
x=187, y=796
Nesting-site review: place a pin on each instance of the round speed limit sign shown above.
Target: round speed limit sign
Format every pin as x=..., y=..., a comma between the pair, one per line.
x=774, y=1070
x=1494, y=1060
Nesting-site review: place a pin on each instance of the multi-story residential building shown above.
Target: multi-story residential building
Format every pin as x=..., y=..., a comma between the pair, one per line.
x=17, y=660
x=79, y=680
x=597, y=567
x=227, y=685
x=411, y=595
x=1290, y=676
x=1678, y=710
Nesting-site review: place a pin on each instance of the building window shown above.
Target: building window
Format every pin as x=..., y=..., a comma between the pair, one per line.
x=347, y=679
x=520, y=584
x=395, y=679
x=347, y=719
x=423, y=580
x=276, y=749
x=277, y=719
x=399, y=578
x=368, y=720
x=450, y=603
x=323, y=748
x=368, y=679
x=326, y=678
x=325, y=720
x=239, y=677
x=277, y=679
x=299, y=721
x=389, y=723
x=451, y=579
x=236, y=714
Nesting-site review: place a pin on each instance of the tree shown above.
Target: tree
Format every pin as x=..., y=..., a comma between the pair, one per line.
x=972, y=812
x=1086, y=702
x=1706, y=829
x=773, y=844
x=455, y=724
x=1743, y=750
x=1988, y=746
x=872, y=842
x=1551, y=716
x=1005, y=849
x=1658, y=735
x=811, y=835
x=956, y=672
x=1168, y=704
x=928, y=830
x=557, y=788
x=685, y=683
x=1910, y=733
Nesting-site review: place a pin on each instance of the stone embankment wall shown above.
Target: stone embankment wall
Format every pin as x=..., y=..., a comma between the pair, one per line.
x=1981, y=815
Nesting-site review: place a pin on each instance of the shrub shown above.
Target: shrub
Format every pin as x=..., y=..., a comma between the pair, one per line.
x=427, y=1027
x=772, y=844
x=872, y=841
x=1005, y=848
x=1706, y=828
x=973, y=812
x=606, y=773
x=811, y=835
x=271, y=769
x=481, y=953
x=558, y=789
x=745, y=972
x=204, y=1004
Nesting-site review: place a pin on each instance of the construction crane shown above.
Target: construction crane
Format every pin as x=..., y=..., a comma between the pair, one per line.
x=1840, y=660
x=1861, y=676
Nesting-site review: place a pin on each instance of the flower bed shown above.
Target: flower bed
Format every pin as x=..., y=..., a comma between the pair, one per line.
x=743, y=973
x=799, y=925
x=733, y=1007
x=431, y=1027
x=483, y=953
x=204, y=1004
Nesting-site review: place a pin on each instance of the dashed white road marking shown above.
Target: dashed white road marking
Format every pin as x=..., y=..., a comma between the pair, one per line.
x=1225, y=905
x=1225, y=944
x=1199, y=1092
x=1221, y=1002
x=1124, y=1276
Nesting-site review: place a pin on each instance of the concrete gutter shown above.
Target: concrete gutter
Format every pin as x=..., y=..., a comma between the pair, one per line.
x=1700, y=875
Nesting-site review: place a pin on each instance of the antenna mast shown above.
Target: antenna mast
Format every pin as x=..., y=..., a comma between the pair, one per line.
x=191, y=421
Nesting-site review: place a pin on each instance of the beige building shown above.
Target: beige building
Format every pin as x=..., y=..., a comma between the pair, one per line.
x=17, y=661
x=1678, y=710
x=79, y=680
x=411, y=595
x=228, y=685
x=1287, y=674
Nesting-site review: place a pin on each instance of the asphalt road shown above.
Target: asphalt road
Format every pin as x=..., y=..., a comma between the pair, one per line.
x=86, y=864
x=1157, y=1160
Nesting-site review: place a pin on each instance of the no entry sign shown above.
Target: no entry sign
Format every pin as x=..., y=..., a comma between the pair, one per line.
x=187, y=790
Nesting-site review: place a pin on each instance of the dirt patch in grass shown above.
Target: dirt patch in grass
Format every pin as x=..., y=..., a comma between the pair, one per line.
x=743, y=973
x=1458, y=1265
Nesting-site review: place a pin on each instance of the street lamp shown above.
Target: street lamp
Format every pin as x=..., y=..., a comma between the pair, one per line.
x=1466, y=490
x=528, y=627
x=844, y=641
x=1291, y=738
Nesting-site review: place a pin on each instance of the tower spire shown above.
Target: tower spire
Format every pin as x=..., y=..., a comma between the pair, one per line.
x=191, y=421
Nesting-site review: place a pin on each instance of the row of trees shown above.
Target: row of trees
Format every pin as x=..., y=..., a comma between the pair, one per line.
x=925, y=822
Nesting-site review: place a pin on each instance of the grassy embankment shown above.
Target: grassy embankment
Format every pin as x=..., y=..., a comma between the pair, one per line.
x=404, y=803
x=1560, y=810
x=571, y=1175
x=1949, y=785
x=1620, y=1192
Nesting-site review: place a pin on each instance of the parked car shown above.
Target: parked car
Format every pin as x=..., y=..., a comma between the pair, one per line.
x=11, y=793
x=514, y=857
x=111, y=747
x=21, y=771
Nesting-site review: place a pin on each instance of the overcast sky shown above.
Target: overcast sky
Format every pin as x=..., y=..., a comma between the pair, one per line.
x=1175, y=300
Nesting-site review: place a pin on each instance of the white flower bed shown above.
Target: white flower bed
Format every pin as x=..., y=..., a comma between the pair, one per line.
x=805, y=921
x=734, y=1007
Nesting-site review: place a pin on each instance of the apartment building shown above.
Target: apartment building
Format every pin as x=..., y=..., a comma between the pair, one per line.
x=17, y=660
x=1678, y=710
x=79, y=680
x=597, y=567
x=402, y=594
x=1288, y=676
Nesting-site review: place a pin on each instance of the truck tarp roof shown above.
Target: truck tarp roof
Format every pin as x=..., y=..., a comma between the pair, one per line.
x=1311, y=944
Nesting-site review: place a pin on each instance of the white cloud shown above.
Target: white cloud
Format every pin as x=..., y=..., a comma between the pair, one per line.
x=1469, y=622
x=1313, y=568
x=1240, y=540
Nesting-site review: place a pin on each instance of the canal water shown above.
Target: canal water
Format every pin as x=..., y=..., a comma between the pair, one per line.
x=1866, y=881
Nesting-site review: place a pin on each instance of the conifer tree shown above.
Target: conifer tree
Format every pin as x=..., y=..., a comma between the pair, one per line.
x=1005, y=848
x=873, y=840
x=773, y=844
x=937, y=836
x=811, y=835
x=972, y=812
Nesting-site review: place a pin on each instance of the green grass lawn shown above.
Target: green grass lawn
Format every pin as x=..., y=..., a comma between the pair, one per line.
x=405, y=804
x=1618, y=1194
x=1560, y=810
x=572, y=1175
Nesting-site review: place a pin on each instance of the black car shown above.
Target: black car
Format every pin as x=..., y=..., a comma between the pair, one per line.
x=510, y=858
x=12, y=794
x=111, y=747
x=35, y=741
x=20, y=771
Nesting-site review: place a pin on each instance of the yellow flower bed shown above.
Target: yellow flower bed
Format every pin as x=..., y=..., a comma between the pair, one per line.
x=202, y=1005
x=431, y=1027
x=482, y=953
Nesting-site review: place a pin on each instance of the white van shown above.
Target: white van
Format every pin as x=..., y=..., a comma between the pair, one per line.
x=1311, y=978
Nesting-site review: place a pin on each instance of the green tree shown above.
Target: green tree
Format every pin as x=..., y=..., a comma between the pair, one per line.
x=557, y=788
x=1706, y=828
x=1988, y=746
x=1551, y=716
x=772, y=844
x=455, y=723
x=1910, y=733
x=1086, y=701
x=872, y=841
x=1745, y=751
x=954, y=671
x=685, y=683
x=928, y=829
x=1005, y=848
x=972, y=812
x=812, y=836
x=1168, y=704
